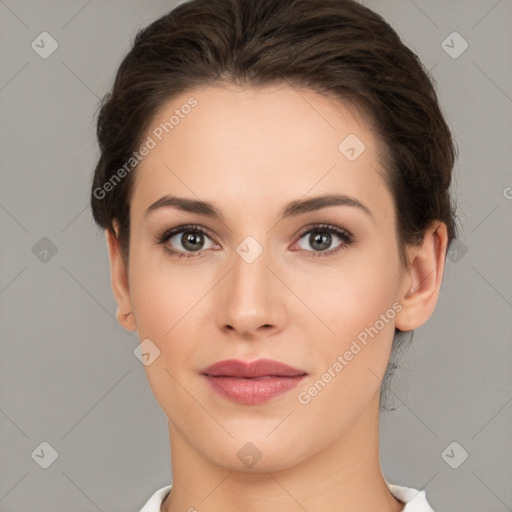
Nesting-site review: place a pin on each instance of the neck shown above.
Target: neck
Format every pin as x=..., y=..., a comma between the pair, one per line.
x=345, y=476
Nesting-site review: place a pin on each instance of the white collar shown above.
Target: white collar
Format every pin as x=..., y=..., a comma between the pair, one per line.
x=415, y=500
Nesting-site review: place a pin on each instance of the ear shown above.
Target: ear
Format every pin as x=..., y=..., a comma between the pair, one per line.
x=119, y=282
x=422, y=282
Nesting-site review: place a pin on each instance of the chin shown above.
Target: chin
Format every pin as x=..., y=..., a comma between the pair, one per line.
x=258, y=455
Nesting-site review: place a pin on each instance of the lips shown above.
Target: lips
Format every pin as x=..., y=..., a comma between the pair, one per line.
x=252, y=382
x=250, y=370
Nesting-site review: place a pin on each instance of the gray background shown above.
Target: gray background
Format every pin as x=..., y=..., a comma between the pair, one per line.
x=68, y=375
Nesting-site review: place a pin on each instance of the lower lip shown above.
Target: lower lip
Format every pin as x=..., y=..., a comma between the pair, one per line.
x=252, y=391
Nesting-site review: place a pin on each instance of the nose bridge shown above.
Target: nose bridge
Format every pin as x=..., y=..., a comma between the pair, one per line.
x=249, y=293
x=250, y=276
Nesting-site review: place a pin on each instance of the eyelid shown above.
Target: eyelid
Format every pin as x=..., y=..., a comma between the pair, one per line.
x=318, y=226
x=163, y=236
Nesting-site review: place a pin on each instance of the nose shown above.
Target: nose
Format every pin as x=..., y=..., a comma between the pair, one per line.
x=250, y=298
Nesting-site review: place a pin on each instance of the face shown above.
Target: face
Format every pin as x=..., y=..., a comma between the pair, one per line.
x=317, y=288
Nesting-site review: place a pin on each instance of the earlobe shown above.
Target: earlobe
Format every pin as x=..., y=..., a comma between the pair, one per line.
x=422, y=283
x=119, y=282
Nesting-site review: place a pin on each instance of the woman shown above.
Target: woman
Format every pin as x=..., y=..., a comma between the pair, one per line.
x=274, y=185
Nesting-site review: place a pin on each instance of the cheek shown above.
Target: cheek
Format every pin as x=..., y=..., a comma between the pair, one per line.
x=353, y=360
x=349, y=297
x=164, y=307
x=356, y=304
x=171, y=305
x=162, y=295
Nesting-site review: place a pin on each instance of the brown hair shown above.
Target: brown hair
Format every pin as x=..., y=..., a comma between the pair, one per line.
x=337, y=48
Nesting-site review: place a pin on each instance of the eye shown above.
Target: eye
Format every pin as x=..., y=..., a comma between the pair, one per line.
x=188, y=239
x=320, y=238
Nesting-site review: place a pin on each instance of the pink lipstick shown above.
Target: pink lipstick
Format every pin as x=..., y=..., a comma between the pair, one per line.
x=252, y=382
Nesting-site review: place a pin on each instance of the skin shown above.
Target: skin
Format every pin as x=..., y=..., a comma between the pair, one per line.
x=251, y=151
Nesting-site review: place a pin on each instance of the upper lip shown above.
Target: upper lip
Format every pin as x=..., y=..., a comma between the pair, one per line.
x=251, y=369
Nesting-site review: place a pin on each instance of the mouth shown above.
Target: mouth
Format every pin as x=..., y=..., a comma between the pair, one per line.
x=252, y=369
x=252, y=382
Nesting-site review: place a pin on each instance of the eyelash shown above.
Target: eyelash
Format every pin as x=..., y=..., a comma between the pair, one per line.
x=345, y=236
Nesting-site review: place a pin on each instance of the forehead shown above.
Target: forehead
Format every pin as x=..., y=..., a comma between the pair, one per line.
x=260, y=145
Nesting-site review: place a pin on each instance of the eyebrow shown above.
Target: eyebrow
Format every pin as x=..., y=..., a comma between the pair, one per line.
x=293, y=209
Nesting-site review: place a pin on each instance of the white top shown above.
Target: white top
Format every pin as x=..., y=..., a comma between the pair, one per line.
x=415, y=500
